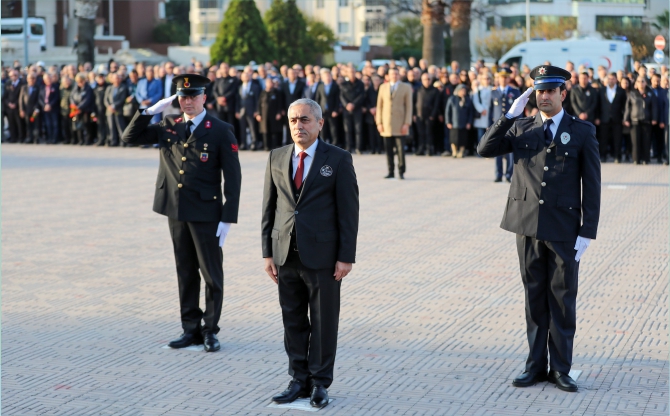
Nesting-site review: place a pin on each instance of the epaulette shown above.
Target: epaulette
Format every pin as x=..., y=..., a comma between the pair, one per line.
x=579, y=120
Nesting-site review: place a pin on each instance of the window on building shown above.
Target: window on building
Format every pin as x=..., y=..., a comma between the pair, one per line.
x=538, y=23
x=607, y=23
x=343, y=27
x=375, y=25
x=320, y=4
x=208, y=4
x=490, y=22
x=344, y=3
x=612, y=1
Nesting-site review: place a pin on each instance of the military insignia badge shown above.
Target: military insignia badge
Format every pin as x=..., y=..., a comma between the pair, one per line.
x=186, y=83
x=234, y=147
x=208, y=124
x=204, y=157
x=565, y=138
x=326, y=171
x=178, y=120
x=542, y=71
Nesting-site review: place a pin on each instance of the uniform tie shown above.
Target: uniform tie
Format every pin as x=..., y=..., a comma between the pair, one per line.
x=301, y=168
x=189, y=124
x=548, y=137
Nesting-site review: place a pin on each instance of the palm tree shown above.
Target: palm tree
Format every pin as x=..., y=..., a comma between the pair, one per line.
x=432, y=19
x=460, y=32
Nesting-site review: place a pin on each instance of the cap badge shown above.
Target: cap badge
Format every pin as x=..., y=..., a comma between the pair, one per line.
x=565, y=138
x=186, y=83
x=542, y=70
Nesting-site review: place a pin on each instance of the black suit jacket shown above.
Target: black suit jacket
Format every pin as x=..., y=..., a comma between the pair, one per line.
x=298, y=91
x=12, y=93
x=29, y=102
x=226, y=87
x=54, y=98
x=325, y=217
x=248, y=105
x=584, y=100
x=117, y=100
x=307, y=91
x=555, y=191
x=329, y=102
x=188, y=187
x=611, y=112
x=352, y=92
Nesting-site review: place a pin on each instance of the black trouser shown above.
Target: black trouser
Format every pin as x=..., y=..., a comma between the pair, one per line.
x=310, y=342
x=196, y=248
x=611, y=134
x=33, y=129
x=399, y=144
x=117, y=124
x=640, y=140
x=330, y=131
x=16, y=127
x=425, y=127
x=83, y=129
x=248, y=120
x=66, y=128
x=50, y=122
x=658, y=141
x=102, y=129
x=549, y=273
x=353, y=129
x=271, y=140
x=376, y=142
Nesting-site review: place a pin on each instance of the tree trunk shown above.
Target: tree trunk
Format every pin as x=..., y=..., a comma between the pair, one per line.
x=432, y=19
x=87, y=11
x=460, y=32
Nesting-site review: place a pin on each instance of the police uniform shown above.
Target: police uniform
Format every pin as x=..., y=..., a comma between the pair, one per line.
x=189, y=193
x=554, y=198
x=501, y=101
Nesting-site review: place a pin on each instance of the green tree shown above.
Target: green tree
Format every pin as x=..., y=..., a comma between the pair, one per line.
x=641, y=39
x=662, y=23
x=405, y=37
x=177, y=27
x=320, y=40
x=242, y=36
x=287, y=28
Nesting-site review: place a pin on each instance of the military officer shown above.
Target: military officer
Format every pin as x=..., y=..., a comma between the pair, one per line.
x=194, y=149
x=553, y=207
x=502, y=98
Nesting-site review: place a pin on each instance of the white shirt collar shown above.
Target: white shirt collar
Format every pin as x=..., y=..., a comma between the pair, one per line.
x=310, y=150
x=196, y=120
x=557, y=118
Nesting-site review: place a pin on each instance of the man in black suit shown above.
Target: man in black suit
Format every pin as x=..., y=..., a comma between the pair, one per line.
x=245, y=111
x=115, y=99
x=194, y=149
x=311, y=86
x=352, y=95
x=225, y=92
x=426, y=105
x=29, y=109
x=658, y=129
x=328, y=97
x=612, y=99
x=293, y=87
x=553, y=208
x=11, y=98
x=309, y=231
x=49, y=104
x=584, y=99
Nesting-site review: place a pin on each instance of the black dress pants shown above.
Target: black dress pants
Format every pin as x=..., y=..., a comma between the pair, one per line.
x=353, y=129
x=310, y=342
x=196, y=250
x=16, y=126
x=399, y=144
x=425, y=135
x=611, y=134
x=330, y=130
x=549, y=273
x=658, y=142
x=248, y=120
x=640, y=139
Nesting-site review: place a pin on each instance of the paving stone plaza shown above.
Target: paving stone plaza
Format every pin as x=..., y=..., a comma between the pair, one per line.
x=432, y=319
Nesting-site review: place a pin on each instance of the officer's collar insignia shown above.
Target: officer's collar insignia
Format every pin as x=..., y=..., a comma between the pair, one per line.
x=178, y=120
x=234, y=147
x=542, y=70
x=186, y=83
x=208, y=125
x=565, y=138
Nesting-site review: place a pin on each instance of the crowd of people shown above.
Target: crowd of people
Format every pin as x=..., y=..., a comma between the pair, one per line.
x=452, y=107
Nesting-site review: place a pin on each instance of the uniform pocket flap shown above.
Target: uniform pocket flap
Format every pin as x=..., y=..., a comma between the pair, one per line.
x=327, y=236
x=517, y=193
x=160, y=182
x=528, y=144
x=210, y=194
x=275, y=234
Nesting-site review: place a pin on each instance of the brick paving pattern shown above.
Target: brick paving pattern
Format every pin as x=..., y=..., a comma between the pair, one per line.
x=432, y=316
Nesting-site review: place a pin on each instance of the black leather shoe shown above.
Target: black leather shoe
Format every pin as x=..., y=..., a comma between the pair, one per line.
x=186, y=340
x=402, y=176
x=389, y=176
x=528, y=379
x=295, y=390
x=498, y=180
x=562, y=381
x=319, y=397
x=211, y=343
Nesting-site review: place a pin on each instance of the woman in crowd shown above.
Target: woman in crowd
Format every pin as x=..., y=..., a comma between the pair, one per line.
x=458, y=115
x=481, y=99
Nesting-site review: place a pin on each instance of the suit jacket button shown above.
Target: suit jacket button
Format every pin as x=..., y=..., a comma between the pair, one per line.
x=296, y=212
x=185, y=144
x=546, y=168
x=541, y=201
x=548, y=150
x=214, y=196
x=566, y=153
x=183, y=159
x=179, y=185
x=543, y=184
x=181, y=172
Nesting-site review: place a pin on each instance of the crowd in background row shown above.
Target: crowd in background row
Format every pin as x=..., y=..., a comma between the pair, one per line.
x=452, y=106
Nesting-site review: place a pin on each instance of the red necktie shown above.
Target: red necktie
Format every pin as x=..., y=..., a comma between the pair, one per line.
x=301, y=168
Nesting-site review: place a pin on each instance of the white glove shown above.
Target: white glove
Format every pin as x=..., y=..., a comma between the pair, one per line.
x=581, y=245
x=159, y=106
x=222, y=232
x=519, y=104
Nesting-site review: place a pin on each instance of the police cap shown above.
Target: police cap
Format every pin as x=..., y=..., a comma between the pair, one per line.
x=504, y=72
x=548, y=77
x=190, y=84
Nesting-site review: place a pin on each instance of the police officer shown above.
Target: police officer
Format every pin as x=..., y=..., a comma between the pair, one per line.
x=194, y=149
x=502, y=98
x=553, y=208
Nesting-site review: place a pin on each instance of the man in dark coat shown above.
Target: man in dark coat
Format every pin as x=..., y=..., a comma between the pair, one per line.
x=194, y=149
x=11, y=99
x=584, y=99
x=49, y=104
x=658, y=130
x=29, y=109
x=293, y=88
x=269, y=116
x=426, y=107
x=225, y=91
x=245, y=111
x=309, y=231
x=612, y=102
x=352, y=95
x=554, y=209
x=328, y=97
x=100, y=117
x=115, y=99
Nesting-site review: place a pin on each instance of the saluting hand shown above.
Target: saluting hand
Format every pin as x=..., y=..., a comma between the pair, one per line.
x=341, y=270
x=519, y=104
x=159, y=106
x=271, y=268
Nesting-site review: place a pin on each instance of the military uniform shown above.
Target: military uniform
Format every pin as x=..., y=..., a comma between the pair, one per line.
x=554, y=198
x=189, y=193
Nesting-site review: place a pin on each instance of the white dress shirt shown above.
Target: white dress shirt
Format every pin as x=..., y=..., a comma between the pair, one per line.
x=557, y=120
x=611, y=92
x=196, y=120
x=308, y=159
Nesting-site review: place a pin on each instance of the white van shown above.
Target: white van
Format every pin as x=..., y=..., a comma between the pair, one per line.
x=590, y=52
x=12, y=29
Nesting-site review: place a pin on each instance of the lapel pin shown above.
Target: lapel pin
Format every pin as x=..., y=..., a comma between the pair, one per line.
x=326, y=171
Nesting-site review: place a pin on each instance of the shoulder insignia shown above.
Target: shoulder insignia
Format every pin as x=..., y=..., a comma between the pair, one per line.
x=234, y=147
x=178, y=120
